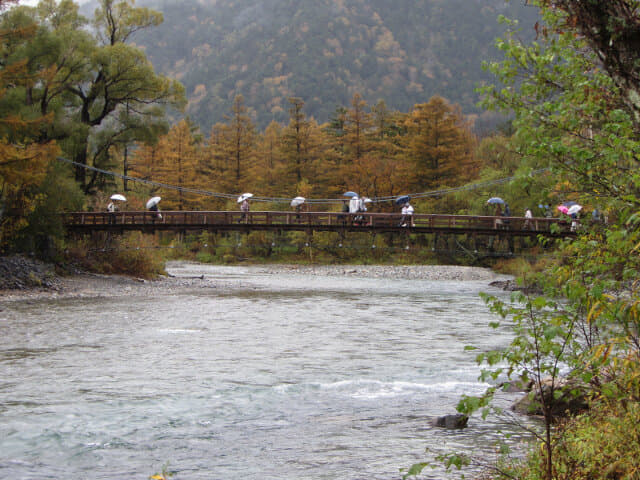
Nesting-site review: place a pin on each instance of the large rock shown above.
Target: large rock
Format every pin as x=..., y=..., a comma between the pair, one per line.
x=570, y=398
x=513, y=286
x=455, y=421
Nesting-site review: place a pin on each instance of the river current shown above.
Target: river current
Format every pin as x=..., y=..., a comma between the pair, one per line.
x=283, y=376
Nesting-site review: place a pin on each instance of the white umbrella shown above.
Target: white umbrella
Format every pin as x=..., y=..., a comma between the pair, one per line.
x=297, y=201
x=153, y=201
x=244, y=196
x=574, y=209
x=117, y=196
x=367, y=200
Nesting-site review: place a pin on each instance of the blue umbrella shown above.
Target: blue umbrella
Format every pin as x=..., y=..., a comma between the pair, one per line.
x=349, y=194
x=403, y=199
x=570, y=203
x=496, y=200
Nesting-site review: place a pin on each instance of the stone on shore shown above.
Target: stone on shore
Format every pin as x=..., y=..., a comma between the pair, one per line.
x=569, y=398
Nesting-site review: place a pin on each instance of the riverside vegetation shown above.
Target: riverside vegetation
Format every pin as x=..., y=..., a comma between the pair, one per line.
x=573, y=98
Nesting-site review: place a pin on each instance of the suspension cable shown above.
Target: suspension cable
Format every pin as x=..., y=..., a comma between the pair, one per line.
x=228, y=196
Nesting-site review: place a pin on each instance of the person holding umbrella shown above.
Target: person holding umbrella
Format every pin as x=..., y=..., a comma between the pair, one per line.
x=408, y=215
x=498, y=202
x=243, y=200
x=363, y=209
x=573, y=211
x=403, y=200
x=528, y=219
x=407, y=210
x=112, y=208
x=152, y=205
x=297, y=203
x=354, y=204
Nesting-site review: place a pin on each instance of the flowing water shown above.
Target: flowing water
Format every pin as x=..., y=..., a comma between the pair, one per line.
x=283, y=376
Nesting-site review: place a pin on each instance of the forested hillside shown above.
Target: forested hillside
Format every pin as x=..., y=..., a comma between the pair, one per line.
x=325, y=51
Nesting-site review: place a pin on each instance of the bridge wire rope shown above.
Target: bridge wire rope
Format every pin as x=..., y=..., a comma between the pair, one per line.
x=229, y=196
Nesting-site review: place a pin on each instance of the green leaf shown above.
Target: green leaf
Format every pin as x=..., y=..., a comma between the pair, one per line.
x=415, y=469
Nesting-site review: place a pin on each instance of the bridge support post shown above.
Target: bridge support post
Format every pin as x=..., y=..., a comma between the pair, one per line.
x=309, y=243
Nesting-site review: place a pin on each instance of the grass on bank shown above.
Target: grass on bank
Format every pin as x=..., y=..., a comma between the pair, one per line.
x=131, y=254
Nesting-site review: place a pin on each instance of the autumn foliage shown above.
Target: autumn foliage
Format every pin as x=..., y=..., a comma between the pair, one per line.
x=370, y=150
x=23, y=157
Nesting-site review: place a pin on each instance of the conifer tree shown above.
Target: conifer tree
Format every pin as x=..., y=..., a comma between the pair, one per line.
x=238, y=141
x=437, y=143
x=269, y=164
x=301, y=147
x=357, y=129
x=295, y=138
x=179, y=166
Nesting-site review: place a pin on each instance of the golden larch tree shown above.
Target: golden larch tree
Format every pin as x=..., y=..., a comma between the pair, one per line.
x=438, y=144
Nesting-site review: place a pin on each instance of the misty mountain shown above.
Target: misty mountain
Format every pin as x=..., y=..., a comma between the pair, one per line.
x=324, y=51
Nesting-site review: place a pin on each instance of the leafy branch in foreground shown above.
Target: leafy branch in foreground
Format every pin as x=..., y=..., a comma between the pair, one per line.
x=543, y=333
x=576, y=112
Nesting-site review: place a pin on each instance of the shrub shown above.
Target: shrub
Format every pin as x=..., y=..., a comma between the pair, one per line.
x=132, y=254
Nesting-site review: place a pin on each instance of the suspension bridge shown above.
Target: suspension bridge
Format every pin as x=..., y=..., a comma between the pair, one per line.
x=276, y=221
x=476, y=229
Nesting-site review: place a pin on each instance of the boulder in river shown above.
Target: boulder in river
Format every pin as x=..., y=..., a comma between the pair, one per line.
x=513, y=286
x=455, y=421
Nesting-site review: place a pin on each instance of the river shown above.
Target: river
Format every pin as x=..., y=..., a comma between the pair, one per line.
x=282, y=376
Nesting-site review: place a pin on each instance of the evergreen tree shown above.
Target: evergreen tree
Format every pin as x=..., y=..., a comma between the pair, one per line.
x=238, y=141
x=437, y=143
x=270, y=164
x=179, y=166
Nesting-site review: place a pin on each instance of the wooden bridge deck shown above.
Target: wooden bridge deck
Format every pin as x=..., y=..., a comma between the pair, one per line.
x=222, y=221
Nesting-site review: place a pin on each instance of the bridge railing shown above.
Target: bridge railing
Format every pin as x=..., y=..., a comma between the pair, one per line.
x=198, y=219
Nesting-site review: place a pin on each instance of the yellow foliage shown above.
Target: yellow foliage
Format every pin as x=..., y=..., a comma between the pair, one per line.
x=202, y=51
x=22, y=170
x=386, y=44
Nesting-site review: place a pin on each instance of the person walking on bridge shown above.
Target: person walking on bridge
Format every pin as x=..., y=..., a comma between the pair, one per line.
x=497, y=222
x=244, y=208
x=407, y=215
x=111, y=208
x=528, y=220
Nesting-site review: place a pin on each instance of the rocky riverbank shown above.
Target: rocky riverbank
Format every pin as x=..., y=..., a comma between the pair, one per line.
x=22, y=273
x=410, y=272
x=27, y=278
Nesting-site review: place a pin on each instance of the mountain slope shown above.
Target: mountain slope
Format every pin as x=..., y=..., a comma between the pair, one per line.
x=324, y=51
